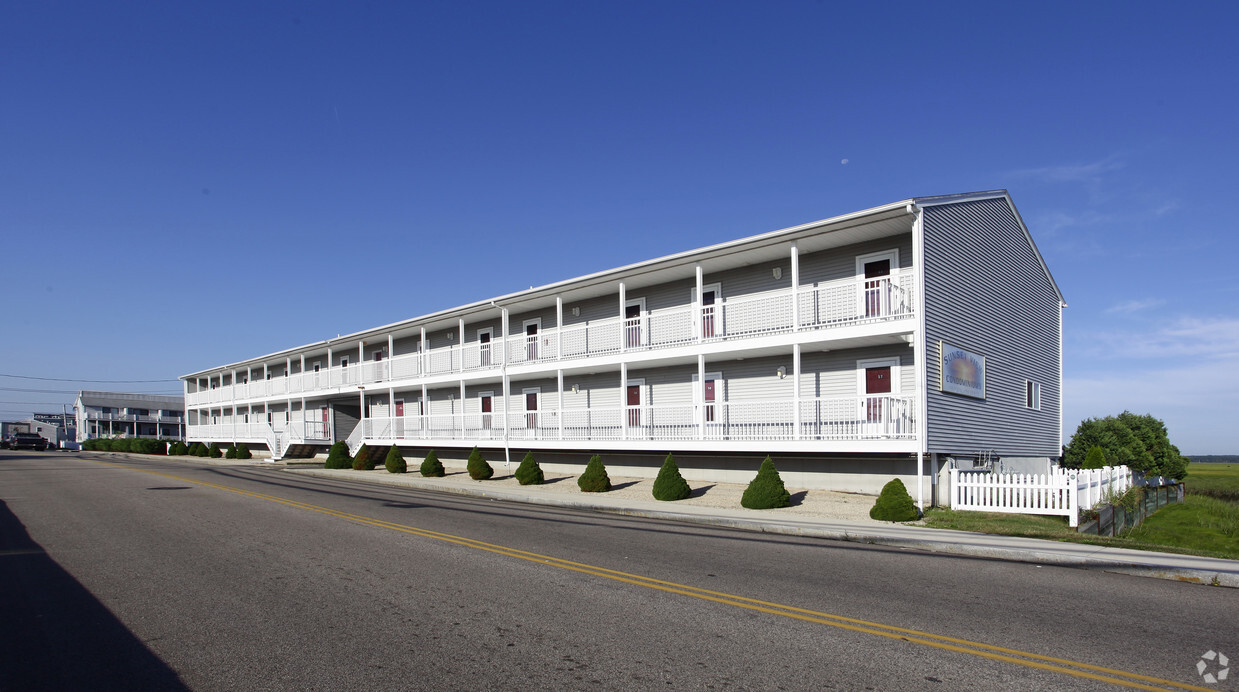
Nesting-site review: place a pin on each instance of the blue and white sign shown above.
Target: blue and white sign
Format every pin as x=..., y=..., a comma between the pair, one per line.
x=963, y=372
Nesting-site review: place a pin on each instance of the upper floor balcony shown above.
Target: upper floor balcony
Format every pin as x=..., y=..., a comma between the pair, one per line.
x=823, y=306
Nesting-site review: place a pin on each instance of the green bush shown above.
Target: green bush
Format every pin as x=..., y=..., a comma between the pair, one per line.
x=894, y=504
x=214, y=451
x=338, y=457
x=529, y=473
x=120, y=444
x=175, y=448
x=200, y=450
x=595, y=478
x=766, y=490
x=230, y=452
x=395, y=461
x=243, y=452
x=432, y=467
x=670, y=485
x=362, y=460
x=1096, y=458
x=479, y=470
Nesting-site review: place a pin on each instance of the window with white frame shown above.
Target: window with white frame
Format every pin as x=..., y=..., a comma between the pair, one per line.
x=1032, y=395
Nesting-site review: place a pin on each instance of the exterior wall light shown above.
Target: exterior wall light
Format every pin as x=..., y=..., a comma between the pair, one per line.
x=576, y=311
x=781, y=372
x=778, y=272
x=576, y=389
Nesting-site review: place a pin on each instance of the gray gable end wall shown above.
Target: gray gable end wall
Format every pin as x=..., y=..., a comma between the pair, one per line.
x=987, y=292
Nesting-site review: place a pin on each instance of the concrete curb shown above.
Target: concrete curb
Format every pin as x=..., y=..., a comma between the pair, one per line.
x=1159, y=565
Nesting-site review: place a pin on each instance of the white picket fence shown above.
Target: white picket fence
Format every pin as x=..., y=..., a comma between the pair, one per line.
x=1062, y=492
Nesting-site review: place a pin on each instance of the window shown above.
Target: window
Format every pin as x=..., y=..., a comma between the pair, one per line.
x=1032, y=395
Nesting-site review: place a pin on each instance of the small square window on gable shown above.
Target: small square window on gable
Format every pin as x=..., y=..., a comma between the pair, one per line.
x=1032, y=395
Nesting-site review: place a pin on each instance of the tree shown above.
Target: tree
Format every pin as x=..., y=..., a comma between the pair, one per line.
x=595, y=478
x=338, y=457
x=243, y=451
x=230, y=452
x=529, y=473
x=1096, y=458
x=894, y=504
x=394, y=462
x=766, y=490
x=479, y=469
x=432, y=467
x=1138, y=441
x=214, y=451
x=362, y=461
x=670, y=485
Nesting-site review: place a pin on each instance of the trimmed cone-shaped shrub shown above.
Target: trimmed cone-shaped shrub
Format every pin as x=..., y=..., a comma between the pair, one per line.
x=670, y=485
x=200, y=450
x=595, y=478
x=431, y=467
x=894, y=504
x=362, y=460
x=338, y=457
x=529, y=473
x=1096, y=458
x=177, y=449
x=230, y=452
x=214, y=451
x=243, y=452
x=766, y=491
x=479, y=470
x=395, y=461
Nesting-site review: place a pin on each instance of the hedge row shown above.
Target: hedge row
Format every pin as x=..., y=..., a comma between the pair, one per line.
x=133, y=445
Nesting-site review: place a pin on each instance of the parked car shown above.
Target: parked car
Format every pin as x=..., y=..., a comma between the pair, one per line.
x=28, y=441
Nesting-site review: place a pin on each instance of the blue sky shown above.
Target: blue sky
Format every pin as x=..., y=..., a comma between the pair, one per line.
x=188, y=184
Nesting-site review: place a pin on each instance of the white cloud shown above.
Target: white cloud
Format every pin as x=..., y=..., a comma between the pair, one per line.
x=1187, y=337
x=1198, y=402
x=1136, y=305
x=1072, y=173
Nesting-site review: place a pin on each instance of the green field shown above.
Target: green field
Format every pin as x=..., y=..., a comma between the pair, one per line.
x=1207, y=523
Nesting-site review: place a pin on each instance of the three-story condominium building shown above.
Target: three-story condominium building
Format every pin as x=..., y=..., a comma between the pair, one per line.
x=868, y=346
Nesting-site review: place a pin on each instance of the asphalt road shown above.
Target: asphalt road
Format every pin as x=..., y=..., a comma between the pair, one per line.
x=120, y=573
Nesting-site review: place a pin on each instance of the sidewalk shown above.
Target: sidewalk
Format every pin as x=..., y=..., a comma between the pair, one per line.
x=820, y=514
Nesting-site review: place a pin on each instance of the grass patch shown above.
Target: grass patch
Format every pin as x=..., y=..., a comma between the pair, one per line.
x=1202, y=525
x=1180, y=537
x=1215, y=480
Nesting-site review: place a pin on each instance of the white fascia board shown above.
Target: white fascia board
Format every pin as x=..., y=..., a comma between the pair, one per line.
x=615, y=274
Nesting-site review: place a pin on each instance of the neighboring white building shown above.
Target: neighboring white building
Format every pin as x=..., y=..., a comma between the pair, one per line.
x=883, y=343
x=120, y=414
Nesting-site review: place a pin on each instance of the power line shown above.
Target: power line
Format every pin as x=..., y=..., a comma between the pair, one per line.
x=74, y=391
x=61, y=379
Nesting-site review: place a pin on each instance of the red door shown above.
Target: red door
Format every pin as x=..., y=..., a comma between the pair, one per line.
x=634, y=405
x=709, y=400
x=632, y=325
x=323, y=434
x=399, y=418
x=531, y=341
x=531, y=410
x=877, y=384
x=707, y=314
x=488, y=409
x=875, y=287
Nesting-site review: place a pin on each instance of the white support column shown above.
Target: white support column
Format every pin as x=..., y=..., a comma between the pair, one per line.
x=462, y=408
x=327, y=370
x=795, y=287
x=559, y=414
x=623, y=300
x=700, y=394
x=361, y=362
x=796, y=390
x=460, y=349
x=623, y=389
x=697, y=308
x=559, y=337
x=425, y=359
x=423, y=410
x=391, y=348
x=507, y=394
x=503, y=343
x=920, y=485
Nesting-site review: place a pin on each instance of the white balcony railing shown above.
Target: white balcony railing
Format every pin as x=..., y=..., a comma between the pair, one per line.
x=825, y=305
x=881, y=417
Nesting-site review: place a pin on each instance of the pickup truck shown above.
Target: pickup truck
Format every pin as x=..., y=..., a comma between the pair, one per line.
x=28, y=441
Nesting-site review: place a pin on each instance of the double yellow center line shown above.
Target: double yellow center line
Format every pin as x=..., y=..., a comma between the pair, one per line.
x=996, y=653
